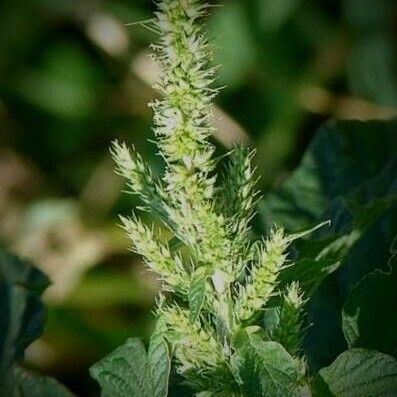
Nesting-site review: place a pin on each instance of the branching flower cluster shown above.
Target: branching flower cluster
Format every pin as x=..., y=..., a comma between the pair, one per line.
x=220, y=277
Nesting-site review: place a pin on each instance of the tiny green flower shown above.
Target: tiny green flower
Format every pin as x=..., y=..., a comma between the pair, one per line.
x=262, y=281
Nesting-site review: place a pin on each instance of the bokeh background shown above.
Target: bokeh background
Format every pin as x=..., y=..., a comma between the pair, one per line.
x=75, y=74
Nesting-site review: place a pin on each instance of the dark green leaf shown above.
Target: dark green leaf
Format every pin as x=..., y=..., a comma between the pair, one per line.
x=310, y=273
x=28, y=384
x=359, y=373
x=349, y=176
x=321, y=257
x=265, y=369
x=320, y=388
x=367, y=314
x=21, y=312
x=21, y=322
x=344, y=156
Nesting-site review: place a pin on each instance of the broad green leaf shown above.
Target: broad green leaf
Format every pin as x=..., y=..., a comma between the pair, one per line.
x=321, y=257
x=359, y=373
x=367, y=314
x=325, y=339
x=344, y=156
x=28, y=384
x=349, y=176
x=123, y=373
x=21, y=312
x=21, y=322
x=159, y=365
x=196, y=297
x=130, y=372
x=265, y=369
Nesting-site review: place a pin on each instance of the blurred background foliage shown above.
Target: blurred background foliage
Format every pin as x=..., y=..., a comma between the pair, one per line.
x=75, y=74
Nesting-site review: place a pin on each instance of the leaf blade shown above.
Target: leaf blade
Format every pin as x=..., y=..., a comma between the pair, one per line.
x=196, y=297
x=159, y=365
x=123, y=372
x=361, y=373
x=265, y=369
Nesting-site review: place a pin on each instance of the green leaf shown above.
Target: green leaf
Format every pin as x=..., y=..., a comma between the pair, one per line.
x=21, y=311
x=265, y=369
x=21, y=322
x=321, y=257
x=309, y=273
x=343, y=157
x=28, y=384
x=308, y=230
x=364, y=250
x=320, y=388
x=130, y=372
x=359, y=373
x=349, y=176
x=159, y=365
x=367, y=314
x=196, y=297
x=123, y=372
